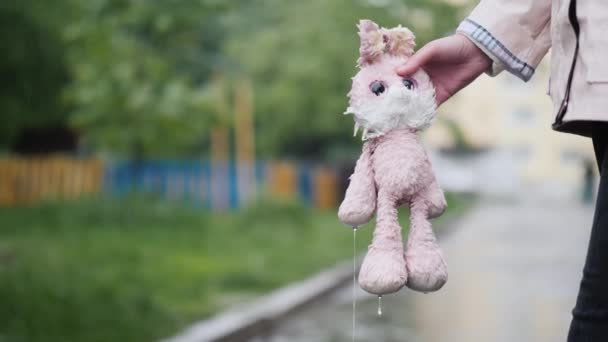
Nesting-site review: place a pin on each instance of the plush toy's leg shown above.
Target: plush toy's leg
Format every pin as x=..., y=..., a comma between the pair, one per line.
x=426, y=267
x=383, y=270
x=360, y=200
x=435, y=200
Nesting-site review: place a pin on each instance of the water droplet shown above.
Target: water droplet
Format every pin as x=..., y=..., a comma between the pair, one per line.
x=379, y=305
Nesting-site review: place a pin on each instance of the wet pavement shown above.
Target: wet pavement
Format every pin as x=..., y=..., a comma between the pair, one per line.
x=514, y=273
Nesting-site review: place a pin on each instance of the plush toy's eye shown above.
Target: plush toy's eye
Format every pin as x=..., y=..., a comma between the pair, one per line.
x=409, y=83
x=377, y=87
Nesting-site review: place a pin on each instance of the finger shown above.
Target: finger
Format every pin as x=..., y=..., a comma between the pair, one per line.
x=418, y=60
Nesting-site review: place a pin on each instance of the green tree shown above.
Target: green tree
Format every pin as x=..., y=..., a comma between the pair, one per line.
x=139, y=72
x=32, y=67
x=130, y=75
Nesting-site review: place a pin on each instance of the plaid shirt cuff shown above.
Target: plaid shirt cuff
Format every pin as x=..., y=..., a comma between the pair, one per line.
x=501, y=56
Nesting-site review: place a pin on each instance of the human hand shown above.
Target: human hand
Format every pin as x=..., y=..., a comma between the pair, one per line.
x=451, y=62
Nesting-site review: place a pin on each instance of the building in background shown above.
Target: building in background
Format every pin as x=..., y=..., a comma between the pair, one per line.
x=499, y=132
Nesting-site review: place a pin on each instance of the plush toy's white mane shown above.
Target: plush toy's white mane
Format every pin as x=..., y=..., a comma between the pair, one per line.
x=399, y=109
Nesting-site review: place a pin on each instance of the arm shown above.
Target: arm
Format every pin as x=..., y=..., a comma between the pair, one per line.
x=514, y=34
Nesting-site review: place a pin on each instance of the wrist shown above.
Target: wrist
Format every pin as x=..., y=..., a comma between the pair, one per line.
x=494, y=64
x=478, y=52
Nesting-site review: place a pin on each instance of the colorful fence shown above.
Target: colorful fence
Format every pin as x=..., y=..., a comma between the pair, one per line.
x=199, y=183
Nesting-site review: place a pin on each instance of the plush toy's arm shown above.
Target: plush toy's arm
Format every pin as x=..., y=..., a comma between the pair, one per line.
x=360, y=200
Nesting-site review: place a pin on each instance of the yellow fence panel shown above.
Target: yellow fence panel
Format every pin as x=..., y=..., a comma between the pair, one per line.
x=325, y=188
x=283, y=179
x=27, y=180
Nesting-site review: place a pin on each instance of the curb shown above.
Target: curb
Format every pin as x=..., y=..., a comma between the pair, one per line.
x=255, y=318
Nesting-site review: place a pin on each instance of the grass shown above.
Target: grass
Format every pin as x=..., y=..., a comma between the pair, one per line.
x=139, y=270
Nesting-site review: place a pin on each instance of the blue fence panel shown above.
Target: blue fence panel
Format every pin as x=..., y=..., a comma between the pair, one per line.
x=206, y=181
x=233, y=185
x=305, y=183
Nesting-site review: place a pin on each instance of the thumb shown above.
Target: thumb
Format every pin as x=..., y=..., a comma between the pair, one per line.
x=418, y=60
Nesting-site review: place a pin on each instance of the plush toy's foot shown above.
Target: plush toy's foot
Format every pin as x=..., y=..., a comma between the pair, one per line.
x=383, y=270
x=427, y=271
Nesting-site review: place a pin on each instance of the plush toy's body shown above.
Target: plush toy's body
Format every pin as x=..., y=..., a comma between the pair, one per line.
x=393, y=169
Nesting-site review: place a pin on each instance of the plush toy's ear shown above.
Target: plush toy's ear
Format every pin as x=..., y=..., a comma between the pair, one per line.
x=400, y=42
x=372, y=42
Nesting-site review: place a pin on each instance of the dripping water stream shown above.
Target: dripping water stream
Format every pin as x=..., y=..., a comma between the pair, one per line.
x=354, y=282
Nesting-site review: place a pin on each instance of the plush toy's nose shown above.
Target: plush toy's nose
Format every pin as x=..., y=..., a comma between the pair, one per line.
x=400, y=94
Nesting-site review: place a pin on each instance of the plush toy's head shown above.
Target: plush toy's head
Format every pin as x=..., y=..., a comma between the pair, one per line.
x=381, y=100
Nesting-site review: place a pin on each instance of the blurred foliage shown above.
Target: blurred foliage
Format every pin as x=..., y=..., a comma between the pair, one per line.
x=32, y=67
x=151, y=77
x=139, y=71
x=134, y=75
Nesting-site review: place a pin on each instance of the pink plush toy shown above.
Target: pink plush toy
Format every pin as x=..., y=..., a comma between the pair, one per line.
x=393, y=168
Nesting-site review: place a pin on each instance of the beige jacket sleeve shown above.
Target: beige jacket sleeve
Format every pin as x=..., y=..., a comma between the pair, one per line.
x=515, y=34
